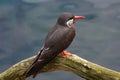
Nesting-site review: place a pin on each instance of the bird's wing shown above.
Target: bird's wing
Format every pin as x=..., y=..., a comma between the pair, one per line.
x=56, y=37
x=58, y=40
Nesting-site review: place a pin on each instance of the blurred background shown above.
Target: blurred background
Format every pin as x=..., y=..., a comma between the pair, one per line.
x=25, y=23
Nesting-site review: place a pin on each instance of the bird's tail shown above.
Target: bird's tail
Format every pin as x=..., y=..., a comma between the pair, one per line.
x=40, y=61
x=36, y=66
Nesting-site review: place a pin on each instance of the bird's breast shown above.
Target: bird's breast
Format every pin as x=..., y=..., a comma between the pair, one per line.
x=69, y=34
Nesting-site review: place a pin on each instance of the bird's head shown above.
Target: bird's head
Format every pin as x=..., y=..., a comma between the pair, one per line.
x=68, y=19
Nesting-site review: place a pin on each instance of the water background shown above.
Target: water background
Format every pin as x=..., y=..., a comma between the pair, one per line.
x=25, y=23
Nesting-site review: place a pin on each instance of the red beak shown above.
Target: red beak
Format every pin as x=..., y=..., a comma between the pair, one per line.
x=78, y=17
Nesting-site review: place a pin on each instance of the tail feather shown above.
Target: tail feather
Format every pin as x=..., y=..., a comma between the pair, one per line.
x=36, y=66
x=40, y=61
x=34, y=69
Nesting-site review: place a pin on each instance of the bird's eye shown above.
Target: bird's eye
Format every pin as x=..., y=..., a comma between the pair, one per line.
x=71, y=18
x=69, y=22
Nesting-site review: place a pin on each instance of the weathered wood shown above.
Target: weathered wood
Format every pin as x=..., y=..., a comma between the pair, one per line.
x=73, y=63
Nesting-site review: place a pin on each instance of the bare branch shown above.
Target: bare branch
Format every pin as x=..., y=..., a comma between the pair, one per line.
x=73, y=63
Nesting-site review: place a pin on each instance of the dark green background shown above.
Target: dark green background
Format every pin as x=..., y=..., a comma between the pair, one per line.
x=25, y=23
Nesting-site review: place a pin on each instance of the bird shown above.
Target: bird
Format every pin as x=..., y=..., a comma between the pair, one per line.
x=57, y=41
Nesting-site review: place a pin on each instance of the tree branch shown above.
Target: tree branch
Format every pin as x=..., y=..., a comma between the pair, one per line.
x=73, y=63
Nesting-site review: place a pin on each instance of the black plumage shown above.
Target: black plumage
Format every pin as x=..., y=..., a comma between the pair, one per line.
x=57, y=40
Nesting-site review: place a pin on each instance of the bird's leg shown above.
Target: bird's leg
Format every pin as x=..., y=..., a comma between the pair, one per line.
x=66, y=53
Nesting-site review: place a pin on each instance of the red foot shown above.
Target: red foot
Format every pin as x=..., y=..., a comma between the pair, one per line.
x=66, y=53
